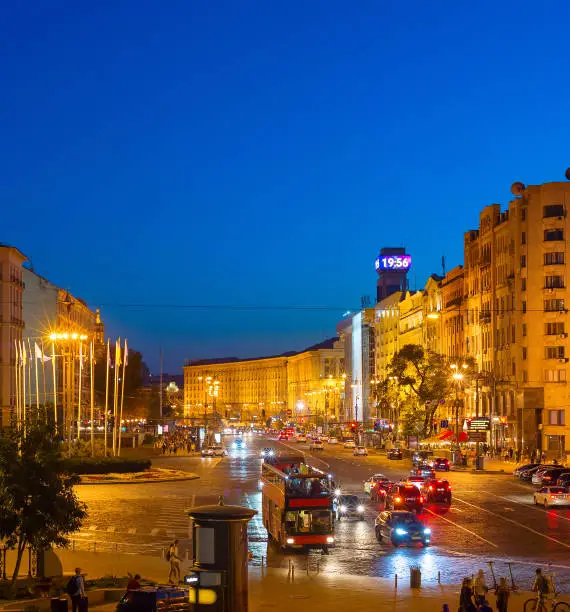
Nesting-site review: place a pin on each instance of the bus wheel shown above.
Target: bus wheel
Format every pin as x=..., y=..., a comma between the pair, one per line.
x=325, y=550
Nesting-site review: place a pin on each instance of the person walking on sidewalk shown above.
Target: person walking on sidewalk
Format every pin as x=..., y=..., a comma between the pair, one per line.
x=480, y=587
x=502, y=593
x=174, y=560
x=466, y=596
x=76, y=590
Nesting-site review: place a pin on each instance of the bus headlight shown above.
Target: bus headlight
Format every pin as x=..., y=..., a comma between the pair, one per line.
x=330, y=540
x=290, y=541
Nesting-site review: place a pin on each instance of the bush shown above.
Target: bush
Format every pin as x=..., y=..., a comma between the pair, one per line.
x=104, y=465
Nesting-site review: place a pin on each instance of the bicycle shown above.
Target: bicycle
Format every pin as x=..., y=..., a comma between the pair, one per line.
x=539, y=603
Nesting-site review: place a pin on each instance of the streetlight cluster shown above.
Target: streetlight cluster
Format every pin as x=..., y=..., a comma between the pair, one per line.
x=67, y=336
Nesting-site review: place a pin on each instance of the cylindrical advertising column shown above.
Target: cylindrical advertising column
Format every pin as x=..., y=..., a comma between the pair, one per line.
x=218, y=578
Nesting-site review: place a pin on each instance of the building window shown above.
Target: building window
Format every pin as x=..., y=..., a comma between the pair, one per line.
x=556, y=305
x=553, y=258
x=524, y=329
x=553, y=234
x=554, y=352
x=524, y=376
x=554, y=375
x=524, y=306
x=524, y=353
x=554, y=329
x=523, y=284
x=523, y=261
x=553, y=210
x=556, y=417
x=554, y=282
x=523, y=238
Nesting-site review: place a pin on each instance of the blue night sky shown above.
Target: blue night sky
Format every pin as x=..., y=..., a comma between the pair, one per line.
x=159, y=155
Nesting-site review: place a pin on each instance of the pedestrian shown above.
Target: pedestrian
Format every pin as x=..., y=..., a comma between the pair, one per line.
x=174, y=560
x=445, y=608
x=541, y=585
x=480, y=587
x=134, y=583
x=76, y=590
x=502, y=593
x=466, y=596
x=518, y=455
x=511, y=452
x=484, y=606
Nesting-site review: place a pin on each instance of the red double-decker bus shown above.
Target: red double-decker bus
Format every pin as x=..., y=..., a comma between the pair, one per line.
x=297, y=503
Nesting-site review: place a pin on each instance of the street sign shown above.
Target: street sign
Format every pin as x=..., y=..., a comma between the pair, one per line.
x=479, y=424
x=477, y=436
x=444, y=424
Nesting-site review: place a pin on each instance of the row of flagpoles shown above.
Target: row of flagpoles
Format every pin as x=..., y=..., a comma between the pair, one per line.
x=30, y=407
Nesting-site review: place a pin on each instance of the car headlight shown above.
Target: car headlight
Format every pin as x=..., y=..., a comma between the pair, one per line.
x=337, y=492
x=343, y=508
x=360, y=509
x=271, y=453
x=427, y=530
x=400, y=531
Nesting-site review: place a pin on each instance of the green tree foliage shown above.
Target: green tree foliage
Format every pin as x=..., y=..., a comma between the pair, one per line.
x=425, y=379
x=38, y=506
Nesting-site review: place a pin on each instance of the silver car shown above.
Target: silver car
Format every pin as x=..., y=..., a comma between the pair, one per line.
x=537, y=476
x=552, y=496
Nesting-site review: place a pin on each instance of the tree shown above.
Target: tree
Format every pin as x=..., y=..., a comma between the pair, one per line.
x=424, y=376
x=38, y=506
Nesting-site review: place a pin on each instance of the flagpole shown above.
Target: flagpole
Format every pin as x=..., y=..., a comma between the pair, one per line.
x=92, y=400
x=37, y=382
x=79, y=391
x=125, y=359
x=23, y=348
x=115, y=394
x=107, y=392
x=54, y=385
x=30, y=402
x=44, y=381
x=17, y=375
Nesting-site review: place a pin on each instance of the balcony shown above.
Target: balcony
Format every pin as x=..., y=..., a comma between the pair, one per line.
x=485, y=316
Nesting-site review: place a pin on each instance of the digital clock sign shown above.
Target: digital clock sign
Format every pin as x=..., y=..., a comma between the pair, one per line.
x=393, y=262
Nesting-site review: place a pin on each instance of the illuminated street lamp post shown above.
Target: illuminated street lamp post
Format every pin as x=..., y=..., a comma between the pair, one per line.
x=458, y=378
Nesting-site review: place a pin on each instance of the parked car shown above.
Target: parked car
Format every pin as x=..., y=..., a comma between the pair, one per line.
x=552, y=496
x=213, y=451
x=316, y=444
x=526, y=475
x=523, y=468
x=360, y=450
x=349, y=444
x=401, y=528
x=563, y=480
x=539, y=473
x=347, y=506
x=550, y=477
x=441, y=464
x=394, y=453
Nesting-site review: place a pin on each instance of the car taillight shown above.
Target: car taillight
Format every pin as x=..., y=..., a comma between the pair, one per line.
x=430, y=488
x=421, y=500
x=554, y=497
x=397, y=499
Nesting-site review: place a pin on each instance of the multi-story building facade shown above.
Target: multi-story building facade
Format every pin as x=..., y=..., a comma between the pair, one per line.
x=453, y=315
x=387, y=324
x=305, y=384
x=516, y=324
x=11, y=326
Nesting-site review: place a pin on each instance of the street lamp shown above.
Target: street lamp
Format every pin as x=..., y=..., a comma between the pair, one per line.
x=458, y=378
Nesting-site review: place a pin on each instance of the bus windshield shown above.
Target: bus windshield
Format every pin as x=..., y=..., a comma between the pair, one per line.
x=298, y=522
x=306, y=487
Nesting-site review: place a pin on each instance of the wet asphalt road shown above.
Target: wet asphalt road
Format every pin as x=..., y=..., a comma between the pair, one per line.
x=492, y=518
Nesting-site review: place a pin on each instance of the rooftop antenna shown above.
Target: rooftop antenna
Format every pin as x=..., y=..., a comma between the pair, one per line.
x=443, y=264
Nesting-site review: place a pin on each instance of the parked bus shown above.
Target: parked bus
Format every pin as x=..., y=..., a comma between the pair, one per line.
x=297, y=503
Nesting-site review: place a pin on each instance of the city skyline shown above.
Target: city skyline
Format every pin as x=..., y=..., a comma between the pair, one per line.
x=258, y=156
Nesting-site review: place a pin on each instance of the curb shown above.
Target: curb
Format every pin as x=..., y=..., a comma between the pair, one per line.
x=149, y=481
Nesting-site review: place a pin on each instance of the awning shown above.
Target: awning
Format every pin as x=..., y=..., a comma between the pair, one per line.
x=463, y=437
x=445, y=434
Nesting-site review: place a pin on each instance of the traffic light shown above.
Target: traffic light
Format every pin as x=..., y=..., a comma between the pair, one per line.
x=353, y=426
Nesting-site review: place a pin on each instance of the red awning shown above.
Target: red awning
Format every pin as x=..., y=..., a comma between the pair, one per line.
x=463, y=437
x=446, y=434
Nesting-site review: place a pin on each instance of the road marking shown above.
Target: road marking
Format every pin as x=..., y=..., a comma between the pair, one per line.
x=529, y=506
x=132, y=530
x=504, y=518
x=463, y=528
x=509, y=509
